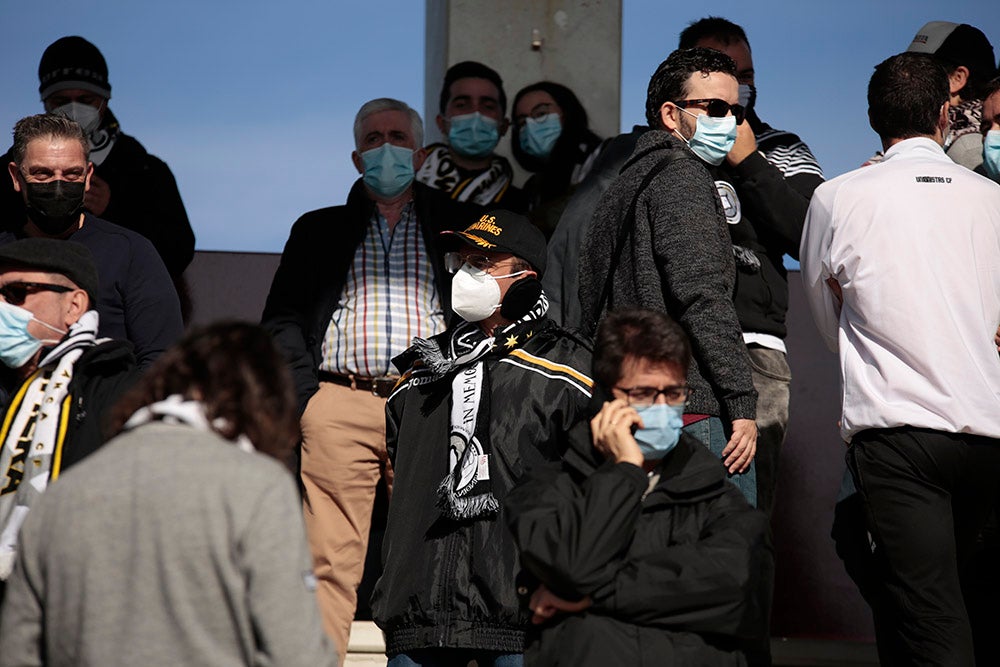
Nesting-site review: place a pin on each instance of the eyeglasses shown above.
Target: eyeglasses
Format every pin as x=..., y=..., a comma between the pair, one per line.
x=16, y=292
x=643, y=397
x=715, y=108
x=453, y=261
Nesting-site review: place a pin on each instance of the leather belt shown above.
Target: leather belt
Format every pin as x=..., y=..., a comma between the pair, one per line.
x=378, y=386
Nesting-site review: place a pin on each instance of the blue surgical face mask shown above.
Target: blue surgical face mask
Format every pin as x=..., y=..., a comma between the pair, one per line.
x=661, y=429
x=991, y=154
x=17, y=345
x=713, y=138
x=473, y=135
x=539, y=135
x=388, y=169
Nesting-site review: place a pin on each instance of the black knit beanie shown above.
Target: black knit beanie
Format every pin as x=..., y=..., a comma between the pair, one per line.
x=73, y=62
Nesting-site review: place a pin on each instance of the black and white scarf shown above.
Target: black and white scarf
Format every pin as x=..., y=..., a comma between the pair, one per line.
x=963, y=118
x=466, y=492
x=34, y=431
x=441, y=173
x=175, y=409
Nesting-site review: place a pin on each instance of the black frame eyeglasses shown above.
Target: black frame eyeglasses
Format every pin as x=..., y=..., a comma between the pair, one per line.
x=643, y=397
x=17, y=291
x=715, y=108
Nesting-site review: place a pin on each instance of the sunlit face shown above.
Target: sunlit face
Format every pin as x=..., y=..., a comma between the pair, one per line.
x=535, y=104
x=54, y=308
x=642, y=372
x=51, y=159
x=700, y=86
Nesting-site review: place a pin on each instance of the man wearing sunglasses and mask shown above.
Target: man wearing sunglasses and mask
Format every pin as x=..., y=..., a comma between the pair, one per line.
x=67, y=378
x=501, y=391
x=659, y=241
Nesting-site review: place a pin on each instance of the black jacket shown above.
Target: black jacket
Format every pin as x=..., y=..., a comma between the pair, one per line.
x=101, y=376
x=765, y=199
x=313, y=270
x=144, y=198
x=452, y=584
x=680, y=577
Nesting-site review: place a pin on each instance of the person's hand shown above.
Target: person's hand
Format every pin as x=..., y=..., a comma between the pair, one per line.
x=98, y=196
x=838, y=293
x=745, y=144
x=611, y=432
x=742, y=447
x=545, y=604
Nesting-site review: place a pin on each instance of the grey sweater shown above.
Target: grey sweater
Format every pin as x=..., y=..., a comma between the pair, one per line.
x=677, y=259
x=169, y=546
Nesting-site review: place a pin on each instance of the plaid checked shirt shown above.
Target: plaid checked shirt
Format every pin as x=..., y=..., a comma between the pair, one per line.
x=389, y=298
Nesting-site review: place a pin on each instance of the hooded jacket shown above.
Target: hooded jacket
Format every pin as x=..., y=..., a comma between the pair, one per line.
x=678, y=575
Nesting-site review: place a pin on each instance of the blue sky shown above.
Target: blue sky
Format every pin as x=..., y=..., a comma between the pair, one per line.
x=251, y=103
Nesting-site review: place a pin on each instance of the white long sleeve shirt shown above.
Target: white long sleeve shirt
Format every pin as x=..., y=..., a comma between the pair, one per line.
x=914, y=243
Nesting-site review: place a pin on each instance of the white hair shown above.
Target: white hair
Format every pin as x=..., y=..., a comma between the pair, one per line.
x=388, y=104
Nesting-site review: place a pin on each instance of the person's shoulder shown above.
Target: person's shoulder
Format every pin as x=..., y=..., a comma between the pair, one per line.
x=101, y=231
x=437, y=208
x=109, y=353
x=558, y=354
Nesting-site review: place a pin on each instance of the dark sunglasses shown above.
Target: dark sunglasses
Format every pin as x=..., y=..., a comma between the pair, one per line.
x=716, y=108
x=16, y=292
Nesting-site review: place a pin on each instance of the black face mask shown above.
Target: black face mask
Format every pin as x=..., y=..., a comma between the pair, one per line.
x=55, y=206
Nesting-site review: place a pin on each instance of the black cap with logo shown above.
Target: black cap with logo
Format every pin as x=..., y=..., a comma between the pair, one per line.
x=505, y=231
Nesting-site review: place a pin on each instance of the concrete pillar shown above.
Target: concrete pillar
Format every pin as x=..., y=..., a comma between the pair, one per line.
x=573, y=42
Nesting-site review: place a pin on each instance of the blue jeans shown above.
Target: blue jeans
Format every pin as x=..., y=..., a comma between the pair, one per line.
x=455, y=657
x=713, y=435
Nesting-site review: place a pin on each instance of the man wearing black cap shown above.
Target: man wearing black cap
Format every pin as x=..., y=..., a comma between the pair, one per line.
x=51, y=173
x=68, y=377
x=472, y=119
x=503, y=390
x=129, y=186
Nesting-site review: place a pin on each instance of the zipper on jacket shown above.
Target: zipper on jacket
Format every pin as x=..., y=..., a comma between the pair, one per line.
x=448, y=565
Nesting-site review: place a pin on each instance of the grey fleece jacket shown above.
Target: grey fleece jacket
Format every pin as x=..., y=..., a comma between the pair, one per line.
x=678, y=259
x=169, y=546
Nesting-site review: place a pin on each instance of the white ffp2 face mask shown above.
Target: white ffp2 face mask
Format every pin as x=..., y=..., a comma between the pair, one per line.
x=475, y=294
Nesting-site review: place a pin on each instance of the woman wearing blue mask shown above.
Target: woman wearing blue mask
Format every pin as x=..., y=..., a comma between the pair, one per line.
x=551, y=139
x=638, y=551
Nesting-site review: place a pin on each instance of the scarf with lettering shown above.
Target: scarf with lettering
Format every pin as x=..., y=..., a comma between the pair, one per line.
x=34, y=433
x=441, y=173
x=466, y=492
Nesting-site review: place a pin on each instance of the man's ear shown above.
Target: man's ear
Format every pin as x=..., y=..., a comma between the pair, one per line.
x=943, y=121
x=13, y=171
x=77, y=304
x=419, y=156
x=958, y=79
x=669, y=117
x=442, y=125
x=503, y=126
x=86, y=180
x=356, y=159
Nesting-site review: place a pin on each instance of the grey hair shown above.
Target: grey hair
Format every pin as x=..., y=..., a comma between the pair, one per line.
x=388, y=104
x=45, y=125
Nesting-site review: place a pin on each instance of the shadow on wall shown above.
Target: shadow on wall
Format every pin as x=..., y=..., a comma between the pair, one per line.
x=814, y=598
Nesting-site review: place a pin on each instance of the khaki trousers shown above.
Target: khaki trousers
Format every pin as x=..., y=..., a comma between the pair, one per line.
x=343, y=457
